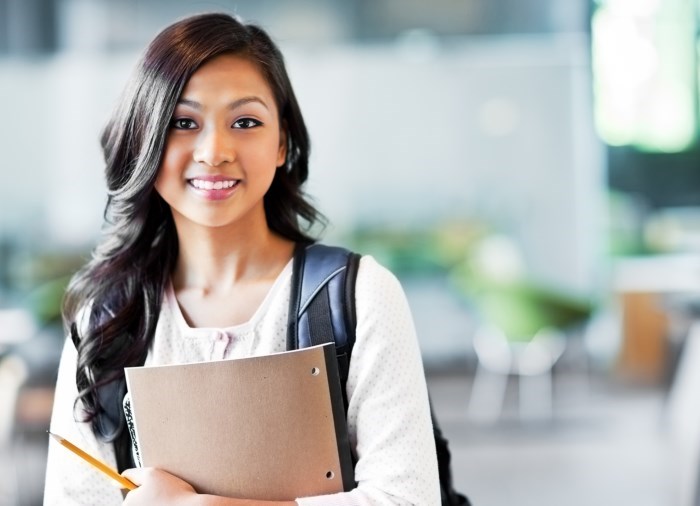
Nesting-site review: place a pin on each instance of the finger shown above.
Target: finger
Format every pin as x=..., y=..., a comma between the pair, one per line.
x=136, y=475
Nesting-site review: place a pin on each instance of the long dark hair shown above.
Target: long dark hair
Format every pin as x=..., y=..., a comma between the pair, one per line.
x=111, y=306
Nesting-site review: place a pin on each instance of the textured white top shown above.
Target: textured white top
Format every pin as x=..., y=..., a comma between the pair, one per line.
x=388, y=414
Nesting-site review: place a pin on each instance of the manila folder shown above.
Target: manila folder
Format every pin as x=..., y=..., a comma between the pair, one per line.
x=270, y=427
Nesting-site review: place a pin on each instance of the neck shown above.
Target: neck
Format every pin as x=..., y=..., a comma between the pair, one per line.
x=217, y=258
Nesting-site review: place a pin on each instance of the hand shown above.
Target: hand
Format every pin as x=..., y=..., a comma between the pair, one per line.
x=157, y=487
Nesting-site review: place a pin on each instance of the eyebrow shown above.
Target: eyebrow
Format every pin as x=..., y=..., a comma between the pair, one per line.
x=233, y=105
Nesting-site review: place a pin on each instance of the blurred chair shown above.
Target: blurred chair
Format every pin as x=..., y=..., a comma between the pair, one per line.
x=530, y=361
x=523, y=330
x=13, y=373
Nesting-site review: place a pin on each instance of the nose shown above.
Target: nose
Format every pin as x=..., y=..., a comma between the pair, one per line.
x=214, y=147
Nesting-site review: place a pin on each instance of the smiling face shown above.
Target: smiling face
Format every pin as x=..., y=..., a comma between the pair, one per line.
x=223, y=147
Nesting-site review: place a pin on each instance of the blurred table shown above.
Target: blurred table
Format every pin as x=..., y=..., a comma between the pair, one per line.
x=643, y=286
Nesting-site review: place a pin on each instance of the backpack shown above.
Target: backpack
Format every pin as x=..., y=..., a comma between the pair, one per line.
x=322, y=310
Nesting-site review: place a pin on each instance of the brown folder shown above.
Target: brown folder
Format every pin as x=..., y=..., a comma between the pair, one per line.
x=270, y=427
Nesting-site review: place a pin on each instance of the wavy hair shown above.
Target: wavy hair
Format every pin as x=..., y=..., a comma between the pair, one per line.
x=112, y=304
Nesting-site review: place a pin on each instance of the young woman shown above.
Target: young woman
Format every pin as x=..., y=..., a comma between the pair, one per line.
x=205, y=158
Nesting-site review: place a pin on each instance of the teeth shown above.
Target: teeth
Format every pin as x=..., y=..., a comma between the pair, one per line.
x=212, y=185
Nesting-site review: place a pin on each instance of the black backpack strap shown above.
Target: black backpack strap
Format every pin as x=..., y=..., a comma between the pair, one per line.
x=322, y=301
x=110, y=421
x=449, y=496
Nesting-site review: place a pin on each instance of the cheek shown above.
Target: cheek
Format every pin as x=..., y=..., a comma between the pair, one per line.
x=277, y=153
x=259, y=158
x=170, y=171
x=160, y=184
x=175, y=159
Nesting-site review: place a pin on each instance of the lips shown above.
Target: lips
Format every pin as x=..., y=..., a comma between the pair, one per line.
x=214, y=187
x=207, y=184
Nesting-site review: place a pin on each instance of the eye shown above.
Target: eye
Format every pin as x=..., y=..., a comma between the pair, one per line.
x=246, y=123
x=183, y=124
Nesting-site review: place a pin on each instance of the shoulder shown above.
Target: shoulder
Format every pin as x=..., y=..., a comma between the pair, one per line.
x=378, y=292
x=372, y=275
x=376, y=289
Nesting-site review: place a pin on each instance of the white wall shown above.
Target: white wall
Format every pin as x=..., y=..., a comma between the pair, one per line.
x=499, y=129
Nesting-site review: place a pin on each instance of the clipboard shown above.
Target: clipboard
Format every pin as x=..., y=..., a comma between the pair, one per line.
x=269, y=428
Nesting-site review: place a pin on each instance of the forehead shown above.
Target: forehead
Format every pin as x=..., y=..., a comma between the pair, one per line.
x=229, y=76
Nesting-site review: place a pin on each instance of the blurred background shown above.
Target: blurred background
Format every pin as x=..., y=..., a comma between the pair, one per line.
x=528, y=168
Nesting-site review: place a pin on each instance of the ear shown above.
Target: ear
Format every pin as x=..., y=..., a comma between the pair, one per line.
x=282, y=149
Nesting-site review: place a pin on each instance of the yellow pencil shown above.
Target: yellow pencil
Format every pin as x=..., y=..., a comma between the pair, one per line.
x=125, y=483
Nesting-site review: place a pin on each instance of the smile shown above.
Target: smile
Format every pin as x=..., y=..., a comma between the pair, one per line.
x=202, y=184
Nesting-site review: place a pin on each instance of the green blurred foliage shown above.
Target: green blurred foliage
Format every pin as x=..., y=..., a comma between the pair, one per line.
x=519, y=307
x=42, y=279
x=434, y=250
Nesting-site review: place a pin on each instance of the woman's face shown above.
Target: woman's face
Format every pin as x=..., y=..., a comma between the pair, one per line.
x=223, y=147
